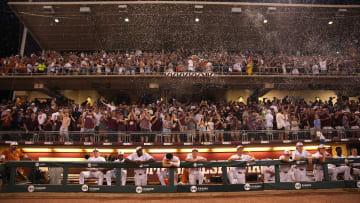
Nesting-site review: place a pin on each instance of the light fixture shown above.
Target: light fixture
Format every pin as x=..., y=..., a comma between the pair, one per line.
x=56, y=20
x=126, y=19
x=331, y=22
x=197, y=19
x=265, y=21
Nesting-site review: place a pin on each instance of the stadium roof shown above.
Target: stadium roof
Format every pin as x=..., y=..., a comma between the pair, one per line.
x=172, y=24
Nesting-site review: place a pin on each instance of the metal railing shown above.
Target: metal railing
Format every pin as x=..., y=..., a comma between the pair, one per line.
x=182, y=138
x=12, y=185
x=135, y=70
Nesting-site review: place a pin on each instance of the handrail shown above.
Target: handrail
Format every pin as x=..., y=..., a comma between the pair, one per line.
x=11, y=186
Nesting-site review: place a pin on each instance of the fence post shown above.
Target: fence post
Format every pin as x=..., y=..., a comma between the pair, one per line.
x=326, y=172
x=118, y=176
x=12, y=176
x=171, y=177
x=277, y=174
x=65, y=175
x=224, y=175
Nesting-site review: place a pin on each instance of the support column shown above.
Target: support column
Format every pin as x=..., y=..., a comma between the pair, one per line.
x=23, y=41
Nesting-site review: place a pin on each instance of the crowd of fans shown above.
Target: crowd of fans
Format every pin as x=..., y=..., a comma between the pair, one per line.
x=177, y=122
x=155, y=62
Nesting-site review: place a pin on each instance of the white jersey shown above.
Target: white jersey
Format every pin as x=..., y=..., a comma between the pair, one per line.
x=267, y=176
x=94, y=159
x=143, y=157
x=190, y=156
x=284, y=168
x=243, y=157
x=318, y=156
x=355, y=165
x=303, y=154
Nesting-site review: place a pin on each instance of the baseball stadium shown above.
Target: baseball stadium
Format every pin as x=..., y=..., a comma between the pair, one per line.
x=181, y=101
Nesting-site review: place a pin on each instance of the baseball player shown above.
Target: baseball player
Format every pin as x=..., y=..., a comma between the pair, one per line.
x=321, y=155
x=268, y=173
x=112, y=173
x=237, y=174
x=297, y=155
x=139, y=158
x=355, y=166
x=342, y=168
x=93, y=172
x=169, y=161
x=285, y=170
x=195, y=173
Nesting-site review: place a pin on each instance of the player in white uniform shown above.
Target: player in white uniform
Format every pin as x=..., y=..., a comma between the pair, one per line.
x=268, y=173
x=169, y=161
x=321, y=155
x=139, y=158
x=195, y=173
x=355, y=166
x=112, y=173
x=342, y=168
x=93, y=172
x=285, y=170
x=298, y=154
x=237, y=175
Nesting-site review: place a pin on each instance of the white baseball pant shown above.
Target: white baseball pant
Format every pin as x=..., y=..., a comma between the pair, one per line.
x=300, y=174
x=112, y=174
x=140, y=178
x=343, y=169
x=236, y=176
x=285, y=176
x=319, y=174
x=91, y=174
x=196, y=175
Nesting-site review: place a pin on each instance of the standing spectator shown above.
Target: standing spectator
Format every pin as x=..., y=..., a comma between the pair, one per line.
x=6, y=119
x=90, y=120
x=280, y=124
x=156, y=125
x=144, y=126
x=269, y=118
x=121, y=124
x=317, y=125
x=64, y=134
x=41, y=119
x=175, y=128
x=31, y=125
x=219, y=128
x=326, y=122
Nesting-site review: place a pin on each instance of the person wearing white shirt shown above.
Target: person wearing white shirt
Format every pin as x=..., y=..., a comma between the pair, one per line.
x=93, y=172
x=139, y=158
x=342, y=168
x=280, y=123
x=169, y=161
x=41, y=118
x=323, y=67
x=355, y=166
x=195, y=174
x=111, y=106
x=269, y=118
x=315, y=69
x=321, y=155
x=268, y=174
x=297, y=155
x=237, y=175
x=112, y=173
x=285, y=170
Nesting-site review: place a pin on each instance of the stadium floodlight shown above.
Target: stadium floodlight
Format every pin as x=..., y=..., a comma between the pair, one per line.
x=265, y=21
x=85, y=10
x=56, y=20
x=122, y=6
x=199, y=6
x=126, y=19
x=49, y=9
x=330, y=22
x=197, y=19
x=236, y=10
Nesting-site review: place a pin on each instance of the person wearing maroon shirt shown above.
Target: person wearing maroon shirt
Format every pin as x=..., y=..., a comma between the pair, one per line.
x=182, y=118
x=89, y=120
x=326, y=121
x=338, y=123
x=30, y=124
x=48, y=126
x=156, y=125
x=131, y=122
x=6, y=120
x=144, y=126
x=310, y=122
x=219, y=128
x=121, y=127
x=353, y=122
x=112, y=125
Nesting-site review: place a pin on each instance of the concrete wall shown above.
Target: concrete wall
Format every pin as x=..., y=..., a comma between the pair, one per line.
x=79, y=96
x=233, y=95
